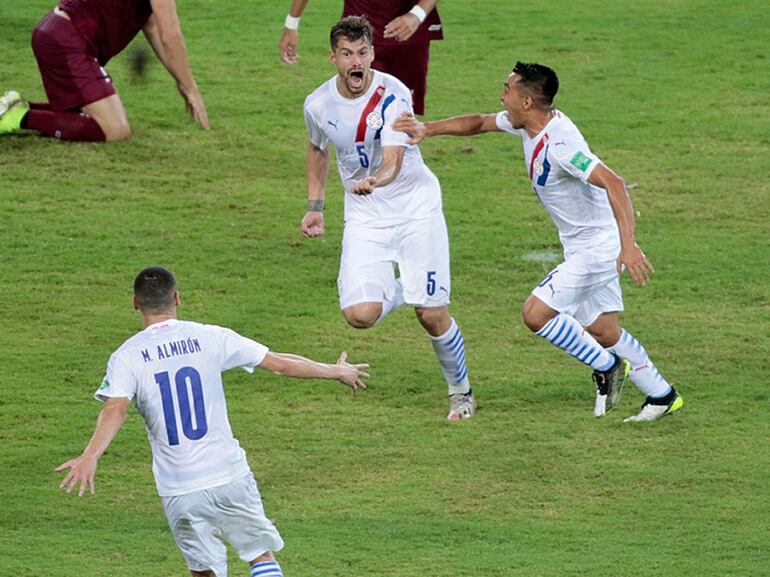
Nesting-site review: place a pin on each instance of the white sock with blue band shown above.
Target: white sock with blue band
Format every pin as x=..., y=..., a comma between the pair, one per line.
x=566, y=333
x=450, y=352
x=266, y=569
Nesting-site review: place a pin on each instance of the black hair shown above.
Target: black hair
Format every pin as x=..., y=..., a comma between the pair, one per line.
x=538, y=79
x=154, y=288
x=353, y=28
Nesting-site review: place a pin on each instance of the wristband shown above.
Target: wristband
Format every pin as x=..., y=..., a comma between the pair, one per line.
x=291, y=22
x=419, y=12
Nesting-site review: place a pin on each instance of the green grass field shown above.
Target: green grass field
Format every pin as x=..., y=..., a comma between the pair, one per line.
x=673, y=95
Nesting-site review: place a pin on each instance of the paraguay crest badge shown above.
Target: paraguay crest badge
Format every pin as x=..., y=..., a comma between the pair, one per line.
x=374, y=120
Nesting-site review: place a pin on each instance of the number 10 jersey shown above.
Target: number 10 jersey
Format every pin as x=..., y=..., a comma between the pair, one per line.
x=173, y=370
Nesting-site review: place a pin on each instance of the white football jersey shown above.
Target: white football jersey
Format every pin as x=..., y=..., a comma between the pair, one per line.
x=359, y=128
x=559, y=163
x=174, y=371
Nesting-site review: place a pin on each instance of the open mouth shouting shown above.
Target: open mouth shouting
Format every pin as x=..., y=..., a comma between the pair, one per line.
x=356, y=81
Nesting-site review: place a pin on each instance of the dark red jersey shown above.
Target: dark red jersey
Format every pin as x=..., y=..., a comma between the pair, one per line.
x=380, y=12
x=107, y=25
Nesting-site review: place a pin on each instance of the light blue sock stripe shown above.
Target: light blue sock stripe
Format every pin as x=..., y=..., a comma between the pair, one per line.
x=544, y=332
x=567, y=335
x=594, y=357
x=584, y=354
x=266, y=569
x=581, y=351
x=458, y=346
x=555, y=337
x=451, y=341
x=568, y=346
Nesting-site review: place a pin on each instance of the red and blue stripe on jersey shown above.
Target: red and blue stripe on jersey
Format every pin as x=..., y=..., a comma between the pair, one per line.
x=541, y=146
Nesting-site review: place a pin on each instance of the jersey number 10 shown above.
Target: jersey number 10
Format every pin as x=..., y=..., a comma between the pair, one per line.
x=182, y=377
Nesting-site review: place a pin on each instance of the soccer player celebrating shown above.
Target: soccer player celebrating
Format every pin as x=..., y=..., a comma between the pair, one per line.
x=590, y=206
x=393, y=214
x=72, y=44
x=173, y=370
x=403, y=31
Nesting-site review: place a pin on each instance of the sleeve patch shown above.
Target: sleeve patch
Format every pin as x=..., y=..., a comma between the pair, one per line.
x=580, y=161
x=105, y=384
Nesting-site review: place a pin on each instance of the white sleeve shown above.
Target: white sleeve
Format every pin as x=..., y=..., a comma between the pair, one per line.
x=315, y=133
x=574, y=156
x=390, y=111
x=119, y=381
x=239, y=351
x=505, y=125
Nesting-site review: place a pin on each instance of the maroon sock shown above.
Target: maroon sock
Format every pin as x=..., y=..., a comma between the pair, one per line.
x=64, y=125
x=39, y=106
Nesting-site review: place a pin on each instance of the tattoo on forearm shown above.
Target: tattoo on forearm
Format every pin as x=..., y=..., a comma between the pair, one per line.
x=315, y=205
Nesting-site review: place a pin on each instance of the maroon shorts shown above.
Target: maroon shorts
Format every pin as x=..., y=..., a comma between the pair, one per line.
x=408, y=63
x=72, y=75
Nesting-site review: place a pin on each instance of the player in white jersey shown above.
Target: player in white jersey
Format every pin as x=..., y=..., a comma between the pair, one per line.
x=591, y=208
x=173, y=371
x=393, y=214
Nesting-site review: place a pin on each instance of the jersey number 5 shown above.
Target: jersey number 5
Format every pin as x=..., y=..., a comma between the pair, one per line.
x=183, y=376
x=363, y=158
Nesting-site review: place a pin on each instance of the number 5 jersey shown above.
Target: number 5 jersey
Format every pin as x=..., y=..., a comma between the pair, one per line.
x=359, y=128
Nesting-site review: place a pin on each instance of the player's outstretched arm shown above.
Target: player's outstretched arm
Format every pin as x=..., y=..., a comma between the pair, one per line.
x=467, y=125
x=287, y=47
x=289, y=365
x=316, y=168
x=631, y=256
x=164, y=34
x=404, y=26
x=392, y=158
x=82, y=469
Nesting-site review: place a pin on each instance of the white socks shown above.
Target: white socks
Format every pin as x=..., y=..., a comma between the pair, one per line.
x=643, y=372
x=567, y=334
x=450, y=352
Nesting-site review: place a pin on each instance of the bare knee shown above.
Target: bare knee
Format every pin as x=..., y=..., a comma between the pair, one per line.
x=115, y=132
x=606, y=330
x=536, y=314
x=362, y=315
x=110, y=115
x=435, y=320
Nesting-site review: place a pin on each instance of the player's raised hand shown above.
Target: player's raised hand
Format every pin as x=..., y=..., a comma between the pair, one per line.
x=365, y=186
x=288, y=46
x=313, y=223
x=636, y=263
x=350, y=374
x=81, y=470
x=406, y=122
x=402, y=27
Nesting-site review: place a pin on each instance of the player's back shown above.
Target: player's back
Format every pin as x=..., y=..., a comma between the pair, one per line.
x=107, y=26
x=174, y=370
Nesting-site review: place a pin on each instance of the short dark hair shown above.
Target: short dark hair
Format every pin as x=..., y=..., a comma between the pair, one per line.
x=353, y=28
x=154, y=289
x=538, y=79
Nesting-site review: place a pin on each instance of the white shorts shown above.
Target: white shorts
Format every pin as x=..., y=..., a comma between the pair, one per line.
x=370, y=255
x=583, y=288
x=201, y=521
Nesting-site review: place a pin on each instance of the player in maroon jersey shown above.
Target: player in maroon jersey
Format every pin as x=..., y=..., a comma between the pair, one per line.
x=72, y=44
x=403, y=30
